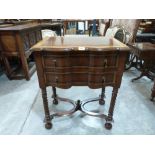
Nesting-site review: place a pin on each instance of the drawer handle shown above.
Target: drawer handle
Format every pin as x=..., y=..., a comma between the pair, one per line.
x=54, y=62
x=105, y=63
x=56, y=80
x=103, y=80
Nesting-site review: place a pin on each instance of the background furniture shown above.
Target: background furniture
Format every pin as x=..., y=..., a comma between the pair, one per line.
x=95, y=62
x=56, y=26
x=147, y=26
x=146, y=31
x=15, y=43
x=146, y=53
x=129, y=25
x=73, y=24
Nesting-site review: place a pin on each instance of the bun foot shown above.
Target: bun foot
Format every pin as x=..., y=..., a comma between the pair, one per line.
x=101, y=102
x=48, y=125
x=55, y=102
x=108, y=126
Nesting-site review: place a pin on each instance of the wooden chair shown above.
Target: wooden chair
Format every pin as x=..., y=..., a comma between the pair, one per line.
x=130, y=25
x=130, y=28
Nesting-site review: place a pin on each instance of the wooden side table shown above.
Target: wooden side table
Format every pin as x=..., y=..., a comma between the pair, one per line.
x=145, y=53
x=96, y=62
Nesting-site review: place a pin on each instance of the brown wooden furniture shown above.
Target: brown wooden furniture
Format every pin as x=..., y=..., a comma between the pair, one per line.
x=146, y=53
x=15, y=42
x=147, y=26
x=95, y=62
x=130, y=25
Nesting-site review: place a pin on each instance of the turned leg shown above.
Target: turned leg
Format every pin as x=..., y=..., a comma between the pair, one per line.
x=48, y=124
x=102, y=96
x=108, y=125
x=55, y=101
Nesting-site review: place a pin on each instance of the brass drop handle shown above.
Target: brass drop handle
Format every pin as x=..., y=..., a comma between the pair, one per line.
x=56, y=79
x=103, y=79
x=55, y=62
x=105, y=63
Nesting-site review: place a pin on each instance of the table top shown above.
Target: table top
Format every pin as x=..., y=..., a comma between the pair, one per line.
x=79, y=43
x=51, y=24
x=145, y=46
x=27, y=26
x=19, y=27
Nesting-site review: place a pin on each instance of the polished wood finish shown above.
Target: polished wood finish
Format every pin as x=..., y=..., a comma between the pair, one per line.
x=15, y=42
x=145, y=52
x=95, y=62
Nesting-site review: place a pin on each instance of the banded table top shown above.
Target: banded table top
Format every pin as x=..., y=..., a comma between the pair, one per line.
x=79, y=43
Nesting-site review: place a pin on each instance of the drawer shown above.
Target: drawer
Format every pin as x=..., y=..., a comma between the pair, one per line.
x=56, y=61
x=105, y=61
x=56, y=79
x=80, y=78
x=57, y=69
x=105, y=78
x=79, y=60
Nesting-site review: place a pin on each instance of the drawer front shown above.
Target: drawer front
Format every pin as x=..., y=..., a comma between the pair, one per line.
x=102, y=79
x=105, y=61
x=79, y=78
x=56, y=61
x=58, y=80
x=80, y=60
